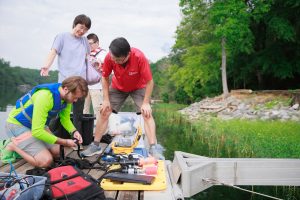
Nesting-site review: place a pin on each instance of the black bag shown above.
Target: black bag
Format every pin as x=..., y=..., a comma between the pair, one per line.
x=68, y=182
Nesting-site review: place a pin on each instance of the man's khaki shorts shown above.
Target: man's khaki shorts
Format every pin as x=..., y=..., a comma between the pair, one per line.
x=24, y=139
x=117, y=98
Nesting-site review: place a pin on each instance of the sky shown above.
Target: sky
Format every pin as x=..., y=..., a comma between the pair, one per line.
x=28, y=27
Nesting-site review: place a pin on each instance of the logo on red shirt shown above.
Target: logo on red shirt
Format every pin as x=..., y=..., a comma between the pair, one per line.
x=132, y=73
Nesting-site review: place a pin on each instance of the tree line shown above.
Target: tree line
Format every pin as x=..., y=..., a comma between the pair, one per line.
x=13, y=77
x=231, y=44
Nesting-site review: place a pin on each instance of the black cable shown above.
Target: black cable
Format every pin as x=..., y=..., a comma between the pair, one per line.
x=78, y=148
x=78, y=151
x=25, y=177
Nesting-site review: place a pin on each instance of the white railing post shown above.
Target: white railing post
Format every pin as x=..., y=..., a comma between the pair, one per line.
x=191, y=172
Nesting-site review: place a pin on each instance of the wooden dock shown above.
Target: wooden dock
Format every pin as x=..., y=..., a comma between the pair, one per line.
x=21, y=166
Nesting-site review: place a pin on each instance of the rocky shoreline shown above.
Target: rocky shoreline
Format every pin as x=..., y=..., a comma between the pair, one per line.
x=248, y=105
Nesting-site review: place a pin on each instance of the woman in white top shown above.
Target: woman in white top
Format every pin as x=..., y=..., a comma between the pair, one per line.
x=95, y=95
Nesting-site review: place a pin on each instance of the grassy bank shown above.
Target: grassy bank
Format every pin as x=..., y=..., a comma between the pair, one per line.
x=229, y=139
x=233, y=138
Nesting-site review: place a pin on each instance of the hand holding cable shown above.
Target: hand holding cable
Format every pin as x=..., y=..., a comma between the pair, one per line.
x=78, y=148
x=77, y=136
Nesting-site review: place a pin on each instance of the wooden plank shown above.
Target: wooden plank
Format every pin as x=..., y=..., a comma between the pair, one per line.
x=166, y=194
x=22, y=169
x=96, y=173
x=111, y=194
x=128, y=195
x=142, y=195
x=6, y=167
x=68, y=150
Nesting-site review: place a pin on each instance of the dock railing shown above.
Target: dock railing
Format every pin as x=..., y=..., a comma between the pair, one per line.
x=191, y=174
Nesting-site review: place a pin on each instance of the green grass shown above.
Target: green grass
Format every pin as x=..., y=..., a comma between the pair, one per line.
x=241, y=138
x=229, y=139
x=232, y=138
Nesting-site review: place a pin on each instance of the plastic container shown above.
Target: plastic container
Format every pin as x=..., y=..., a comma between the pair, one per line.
x=33, y=191
x=87, y=128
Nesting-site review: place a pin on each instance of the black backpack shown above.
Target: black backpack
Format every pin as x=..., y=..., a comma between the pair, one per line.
x=68, y=182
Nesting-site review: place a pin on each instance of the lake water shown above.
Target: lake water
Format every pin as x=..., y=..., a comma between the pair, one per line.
x=3, y=117
x=8, y=97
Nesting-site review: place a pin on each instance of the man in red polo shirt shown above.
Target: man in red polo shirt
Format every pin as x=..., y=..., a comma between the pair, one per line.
x=132, y=77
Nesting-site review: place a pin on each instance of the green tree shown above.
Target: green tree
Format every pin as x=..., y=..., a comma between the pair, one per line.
x=230, y=21
x=195, y=50
x=275, y=26
x=255, y=43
